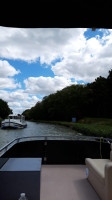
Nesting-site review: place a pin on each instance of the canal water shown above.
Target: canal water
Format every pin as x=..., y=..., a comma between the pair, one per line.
x=34, y=129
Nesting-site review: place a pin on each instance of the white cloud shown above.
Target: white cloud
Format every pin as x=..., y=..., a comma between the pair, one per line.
x=93, y=59
x=6, y=69
x=14, y=104
x=82, y=59
x=6, y=73
x=18, y=100
x=19, y=106
x=80, y=56
x=14, y=95
x=45, y=85
x=30, y=44
x=8, y=83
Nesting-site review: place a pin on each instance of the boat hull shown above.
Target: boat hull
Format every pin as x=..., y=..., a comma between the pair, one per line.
x=13, y=124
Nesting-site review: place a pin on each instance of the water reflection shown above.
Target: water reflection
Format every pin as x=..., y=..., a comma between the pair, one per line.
x=34, y=129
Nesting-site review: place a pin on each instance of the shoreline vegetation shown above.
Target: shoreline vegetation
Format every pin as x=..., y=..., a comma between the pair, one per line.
x=90, y=104
x=92, y=100
x=98, y=127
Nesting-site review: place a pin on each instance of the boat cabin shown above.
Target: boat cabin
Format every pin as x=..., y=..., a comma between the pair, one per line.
x=12, y=116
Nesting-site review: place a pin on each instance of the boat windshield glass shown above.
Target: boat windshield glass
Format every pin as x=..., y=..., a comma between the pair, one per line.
x=58, y=75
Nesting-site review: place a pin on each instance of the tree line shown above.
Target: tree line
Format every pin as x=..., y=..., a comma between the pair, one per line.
x=4, y=109
x=90, y=100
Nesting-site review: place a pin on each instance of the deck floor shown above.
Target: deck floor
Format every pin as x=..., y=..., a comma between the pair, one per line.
x=65, y=182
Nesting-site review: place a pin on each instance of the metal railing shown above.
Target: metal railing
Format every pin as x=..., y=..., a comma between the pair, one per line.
x=5, y=148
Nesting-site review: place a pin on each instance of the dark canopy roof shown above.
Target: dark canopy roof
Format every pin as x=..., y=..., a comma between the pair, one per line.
x=58, y=13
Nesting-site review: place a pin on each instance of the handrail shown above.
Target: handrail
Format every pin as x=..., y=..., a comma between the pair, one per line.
x=21, y=139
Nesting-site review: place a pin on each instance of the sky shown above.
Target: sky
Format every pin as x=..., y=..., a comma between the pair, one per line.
x=35, y=62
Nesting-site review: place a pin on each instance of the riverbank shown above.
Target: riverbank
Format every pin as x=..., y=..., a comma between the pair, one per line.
x=98, y=127
x=0, y=121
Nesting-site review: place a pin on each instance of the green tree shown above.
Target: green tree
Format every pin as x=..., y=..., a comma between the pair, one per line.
x=98, y=97
x=4, y=109
x=91, y=100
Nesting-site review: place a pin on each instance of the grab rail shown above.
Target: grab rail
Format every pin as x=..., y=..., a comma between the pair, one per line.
x=5, y=148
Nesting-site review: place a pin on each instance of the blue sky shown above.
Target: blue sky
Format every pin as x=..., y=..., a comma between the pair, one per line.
x=37, y=62
x=30, y=70
x=89, y=33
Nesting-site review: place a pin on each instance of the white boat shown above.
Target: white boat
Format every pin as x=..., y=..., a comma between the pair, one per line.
x=14, y=121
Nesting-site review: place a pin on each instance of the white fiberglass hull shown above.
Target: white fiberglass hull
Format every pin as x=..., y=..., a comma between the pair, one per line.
x=13, y=124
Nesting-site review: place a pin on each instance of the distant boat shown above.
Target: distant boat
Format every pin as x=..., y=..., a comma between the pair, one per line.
x=14, y=121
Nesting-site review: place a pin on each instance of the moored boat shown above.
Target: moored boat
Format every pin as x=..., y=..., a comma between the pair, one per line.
x=14, y=121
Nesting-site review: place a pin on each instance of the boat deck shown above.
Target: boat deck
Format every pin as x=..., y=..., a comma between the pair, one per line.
x=67, y=182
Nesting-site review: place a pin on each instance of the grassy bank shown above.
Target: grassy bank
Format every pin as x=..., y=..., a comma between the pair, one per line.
x=98, y=127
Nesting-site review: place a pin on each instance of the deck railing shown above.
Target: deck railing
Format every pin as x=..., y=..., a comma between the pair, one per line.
x=5, y=148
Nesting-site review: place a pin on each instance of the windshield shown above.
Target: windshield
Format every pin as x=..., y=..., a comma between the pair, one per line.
x=56, y=74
